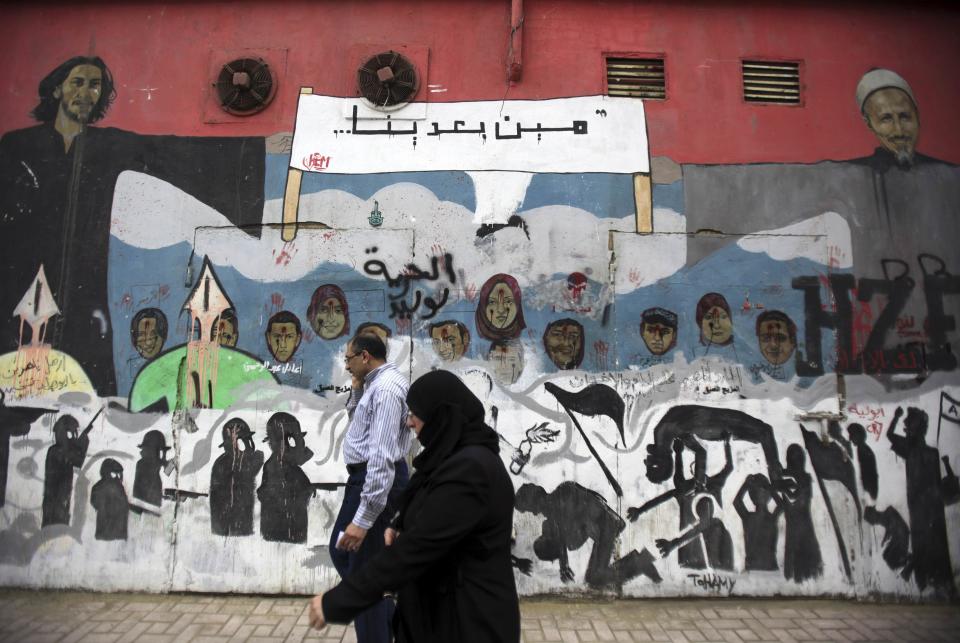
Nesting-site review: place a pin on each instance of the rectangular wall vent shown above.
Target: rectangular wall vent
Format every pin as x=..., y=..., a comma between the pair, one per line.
x=771, y=82
x=637, y=78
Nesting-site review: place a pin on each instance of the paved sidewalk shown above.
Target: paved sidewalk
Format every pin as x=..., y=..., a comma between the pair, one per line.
x=78, y=617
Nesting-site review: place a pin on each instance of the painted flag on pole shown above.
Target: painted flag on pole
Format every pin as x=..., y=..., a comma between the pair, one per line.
x=949, y=408
x=949, y=411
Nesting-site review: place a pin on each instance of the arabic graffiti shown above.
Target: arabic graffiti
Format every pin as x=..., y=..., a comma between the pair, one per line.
x=399, y=308
x=319, y=162
x=556, y=135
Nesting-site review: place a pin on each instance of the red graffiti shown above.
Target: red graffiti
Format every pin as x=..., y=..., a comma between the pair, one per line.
x=871, y=418
x=285, y=255
x=601, y=350
x=317, y=162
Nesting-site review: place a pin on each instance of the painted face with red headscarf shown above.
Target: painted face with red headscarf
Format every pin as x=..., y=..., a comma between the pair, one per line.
x=714, y=320
x=328, y=313
x=500, y=309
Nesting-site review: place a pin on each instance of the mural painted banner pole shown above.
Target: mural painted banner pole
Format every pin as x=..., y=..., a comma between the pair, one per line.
x=596, y=456
x=291, y=193
x=807, y=437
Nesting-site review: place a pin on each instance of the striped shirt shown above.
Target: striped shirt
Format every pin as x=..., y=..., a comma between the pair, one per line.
x=378, y=436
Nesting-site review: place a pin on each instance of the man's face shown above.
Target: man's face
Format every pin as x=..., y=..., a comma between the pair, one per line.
x=448, y=342
x=501, y=309
x=563, y=343
x=283, y=340
x=227, y=333
x=149, y=341
x=658, y=337
x=775, y=343
x=716, y=326
x=507, y=362
x=330, y=318
x=80, y=92
x=357, y=363
x=892, y=116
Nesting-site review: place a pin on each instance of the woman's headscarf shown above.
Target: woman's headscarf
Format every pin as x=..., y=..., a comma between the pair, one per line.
x=452, y=419
x=484, y=327
x=708, y=301
x=320, y=295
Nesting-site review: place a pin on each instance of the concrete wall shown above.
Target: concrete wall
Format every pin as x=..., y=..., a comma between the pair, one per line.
x=758, y=397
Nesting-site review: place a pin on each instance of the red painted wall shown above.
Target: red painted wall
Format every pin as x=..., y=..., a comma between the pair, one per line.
x=160, y=56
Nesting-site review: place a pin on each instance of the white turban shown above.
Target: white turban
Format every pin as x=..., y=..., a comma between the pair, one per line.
x=881, y=79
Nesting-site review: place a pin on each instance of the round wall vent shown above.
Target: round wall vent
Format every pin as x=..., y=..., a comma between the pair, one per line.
x=245, y=86
x=388, y=80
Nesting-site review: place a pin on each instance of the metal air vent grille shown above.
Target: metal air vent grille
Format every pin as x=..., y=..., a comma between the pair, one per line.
x=636, y=78
x=771, y=82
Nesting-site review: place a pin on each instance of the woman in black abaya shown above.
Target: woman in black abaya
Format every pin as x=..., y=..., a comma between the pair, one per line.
x=448, y=556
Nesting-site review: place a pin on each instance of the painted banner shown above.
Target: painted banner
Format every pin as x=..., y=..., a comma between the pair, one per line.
x=567, y=135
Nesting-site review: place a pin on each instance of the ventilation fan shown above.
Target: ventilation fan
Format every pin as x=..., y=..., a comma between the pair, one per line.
x=245, y=86
x=388, y=79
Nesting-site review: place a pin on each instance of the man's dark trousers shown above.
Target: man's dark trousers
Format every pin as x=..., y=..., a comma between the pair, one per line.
x=375, y=624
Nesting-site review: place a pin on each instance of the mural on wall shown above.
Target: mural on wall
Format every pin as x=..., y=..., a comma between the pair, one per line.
x=574, y=514
x=328, y=313
x=109, y=499
x=285, y=490
x=896, y=312
x=668, y=403
x=233, y=480
x=59, y=179
x=451, y=339
x=500, y=309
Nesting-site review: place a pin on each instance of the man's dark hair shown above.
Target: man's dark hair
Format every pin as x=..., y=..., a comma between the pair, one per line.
x=369, y=326
x=284, y=317
x=146, y=313
x=46, y=109
x=371, y=344
x=776, y=315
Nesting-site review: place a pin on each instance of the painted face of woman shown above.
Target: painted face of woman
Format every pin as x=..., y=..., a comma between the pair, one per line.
x=330, y=318
x=501, y=307
x=716, y=326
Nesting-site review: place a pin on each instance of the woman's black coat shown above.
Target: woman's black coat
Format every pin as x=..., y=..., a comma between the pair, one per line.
x=451, y=563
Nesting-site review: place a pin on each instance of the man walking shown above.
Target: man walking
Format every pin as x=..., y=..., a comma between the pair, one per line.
x=374, y=449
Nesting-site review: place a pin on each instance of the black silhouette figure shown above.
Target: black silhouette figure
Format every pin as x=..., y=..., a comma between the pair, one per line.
x=836, y=434
x=232, y=481
x=691, y=553
x=707, y=532
x=66, y=454
x=575, y=514
x=801, y=552
x=868, y=462
x=147, y=485
x=930, y=556
x=896, y=537
x=109, y=498
x=15, y=421
x=759, y=525
x=685, y=490
x=707, y=423
x=285, y=490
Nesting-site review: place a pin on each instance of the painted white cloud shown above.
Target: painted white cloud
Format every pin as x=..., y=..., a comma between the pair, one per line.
x=644, y=259
x=824, y=239
x=151, y=213
x=499, y=194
